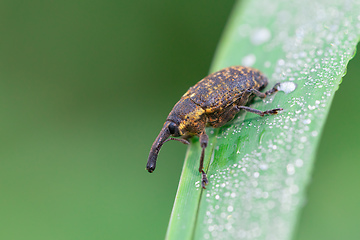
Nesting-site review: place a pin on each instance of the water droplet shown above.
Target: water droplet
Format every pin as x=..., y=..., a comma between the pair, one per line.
x=290, y=169
x=248, y=60
x=311, y=107
x=260, y=36
x=307, y=121
x=263, y=166
x=230, y=208
x=314, y=133
x=287, y=87
x=299, y=162
x=228, y=226
x=265, y=194
x=281, y=62
x=294, y=189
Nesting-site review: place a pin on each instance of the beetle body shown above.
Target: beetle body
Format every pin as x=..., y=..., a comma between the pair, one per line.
x=213, y=101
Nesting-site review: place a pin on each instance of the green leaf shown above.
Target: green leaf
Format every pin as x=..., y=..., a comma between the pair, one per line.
x=259, y=167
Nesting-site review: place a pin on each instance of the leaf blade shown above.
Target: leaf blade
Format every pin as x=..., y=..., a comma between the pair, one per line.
x=262, y=165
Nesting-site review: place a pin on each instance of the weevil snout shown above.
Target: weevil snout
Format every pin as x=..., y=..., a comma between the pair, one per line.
x=169, y=129
x=150, y=166
x=165, y=132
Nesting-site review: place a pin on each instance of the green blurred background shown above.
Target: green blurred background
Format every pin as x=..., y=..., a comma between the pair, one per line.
x=85, y=88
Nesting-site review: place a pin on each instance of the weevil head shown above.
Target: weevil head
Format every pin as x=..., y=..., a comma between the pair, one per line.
x=189, y=117
x=185, y=119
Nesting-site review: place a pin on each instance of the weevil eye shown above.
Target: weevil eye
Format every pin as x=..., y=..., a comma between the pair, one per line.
x=173, y=129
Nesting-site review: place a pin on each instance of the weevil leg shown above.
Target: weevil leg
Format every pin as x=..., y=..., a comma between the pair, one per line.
x=273, y=90
x=225, y=117
x=261, y=113
x=203, y=143
x=265, y=94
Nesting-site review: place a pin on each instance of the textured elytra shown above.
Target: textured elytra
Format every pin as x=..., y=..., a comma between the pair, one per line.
x=213, y=100
x=224, y=87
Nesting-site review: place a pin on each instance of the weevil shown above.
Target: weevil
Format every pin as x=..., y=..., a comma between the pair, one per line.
x=213, y=101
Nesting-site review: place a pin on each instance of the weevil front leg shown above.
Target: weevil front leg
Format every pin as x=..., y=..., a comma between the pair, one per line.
x=203, y=143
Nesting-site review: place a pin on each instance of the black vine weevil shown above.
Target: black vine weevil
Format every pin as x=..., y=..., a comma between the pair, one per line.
x=213, y=101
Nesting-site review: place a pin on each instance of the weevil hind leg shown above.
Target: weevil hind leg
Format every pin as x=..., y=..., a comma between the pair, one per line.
x=244, y=99
x=261, y=113
x=203, y=143
x=273, y=90
x=267, y=93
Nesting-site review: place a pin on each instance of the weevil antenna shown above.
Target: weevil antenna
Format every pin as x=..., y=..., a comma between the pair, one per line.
x=184, y=141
